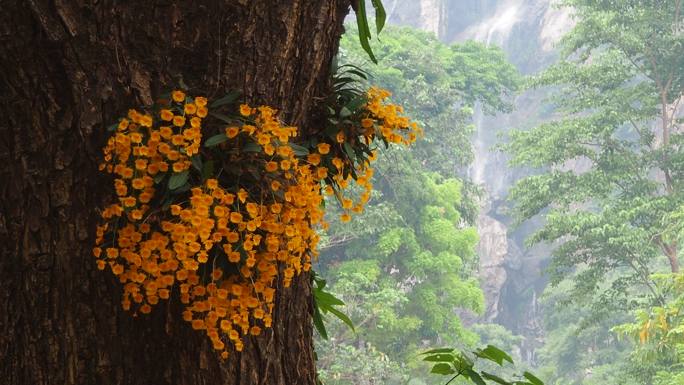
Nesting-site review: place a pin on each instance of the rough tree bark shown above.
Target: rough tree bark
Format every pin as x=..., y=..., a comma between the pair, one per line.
x=67, y=70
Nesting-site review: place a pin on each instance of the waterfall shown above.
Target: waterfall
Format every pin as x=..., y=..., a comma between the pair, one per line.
x=497, y=27
x=480, y=150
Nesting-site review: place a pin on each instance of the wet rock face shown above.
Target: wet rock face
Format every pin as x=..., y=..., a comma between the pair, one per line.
x=527, y=30
x=492, y=249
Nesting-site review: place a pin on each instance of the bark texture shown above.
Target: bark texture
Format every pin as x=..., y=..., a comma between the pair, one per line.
x=68, y=69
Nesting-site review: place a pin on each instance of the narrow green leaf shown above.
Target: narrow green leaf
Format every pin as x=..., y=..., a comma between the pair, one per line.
x=358, y=72
x=112, y=127
x=226, y=99
x=207, y=170
x=380, y=14
x=343, y=317
x=159, y=177
x=299, y=150
x=178, y=180
x=345, y=112
x=251, y=147
x=533, y=379
x=440, y=350
x=356, y=102
x=222, y=117
x=364, y=30
x=349, y=150
x=320, y=282
x=197, y=162
x=318, y=322
x=325, y=298
x=215, y=140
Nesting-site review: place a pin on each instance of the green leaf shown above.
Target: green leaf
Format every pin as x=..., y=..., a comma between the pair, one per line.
x=112, y=127
x=318, y=322
x=197, y=162
x=440, y=357
x=364, y=30
x=222, y=117
x=207, y=170
x=343, y=317
x=349, y=150
x=492, y=353
x=178, y=180
x=215, y=140
x=345, y=112
x=533, y=379
x=324, y=302
x=443, y=369
x=462, y=362
x=356, y=102
x=360, y=72
x=380, y=14
x=251, y=147
x=159, y=177
x=440, y=350
x=325, y=298
x=299, y=150
x=226, y=99
x=495, y=378
x=474, y=376
x=320, y=282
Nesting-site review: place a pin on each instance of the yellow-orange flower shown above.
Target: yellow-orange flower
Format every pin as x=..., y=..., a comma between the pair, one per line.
x=190, y=109
x=232, y=132
x=323, y=148
x=178, y=96
x=201, y=101
x=179, y=121
x=245, y=110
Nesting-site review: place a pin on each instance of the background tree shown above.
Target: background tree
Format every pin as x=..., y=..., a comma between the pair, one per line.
x=610, y=168
x=69, y=70
x=406, y=266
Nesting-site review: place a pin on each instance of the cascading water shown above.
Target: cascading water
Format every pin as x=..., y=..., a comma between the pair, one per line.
x=477, y=168
x=496, y=28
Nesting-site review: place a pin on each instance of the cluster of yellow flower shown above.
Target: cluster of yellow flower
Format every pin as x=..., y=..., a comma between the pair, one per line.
x=224, y=245
x=382, y=120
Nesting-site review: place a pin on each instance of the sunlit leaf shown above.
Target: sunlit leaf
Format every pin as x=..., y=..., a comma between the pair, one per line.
x=533, y=379
x=442, y=368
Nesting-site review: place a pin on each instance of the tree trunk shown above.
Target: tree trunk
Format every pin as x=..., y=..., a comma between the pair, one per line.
x=68, y=69
x=671, y=253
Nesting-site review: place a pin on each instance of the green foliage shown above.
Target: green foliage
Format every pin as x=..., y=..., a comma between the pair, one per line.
x=455, y=364
x=405, y=267
x=438, y=85
x=579, y=347
x=659, y=331
x=610, y=173
x=362, y=23
x=497, y=335
x=324, y=302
